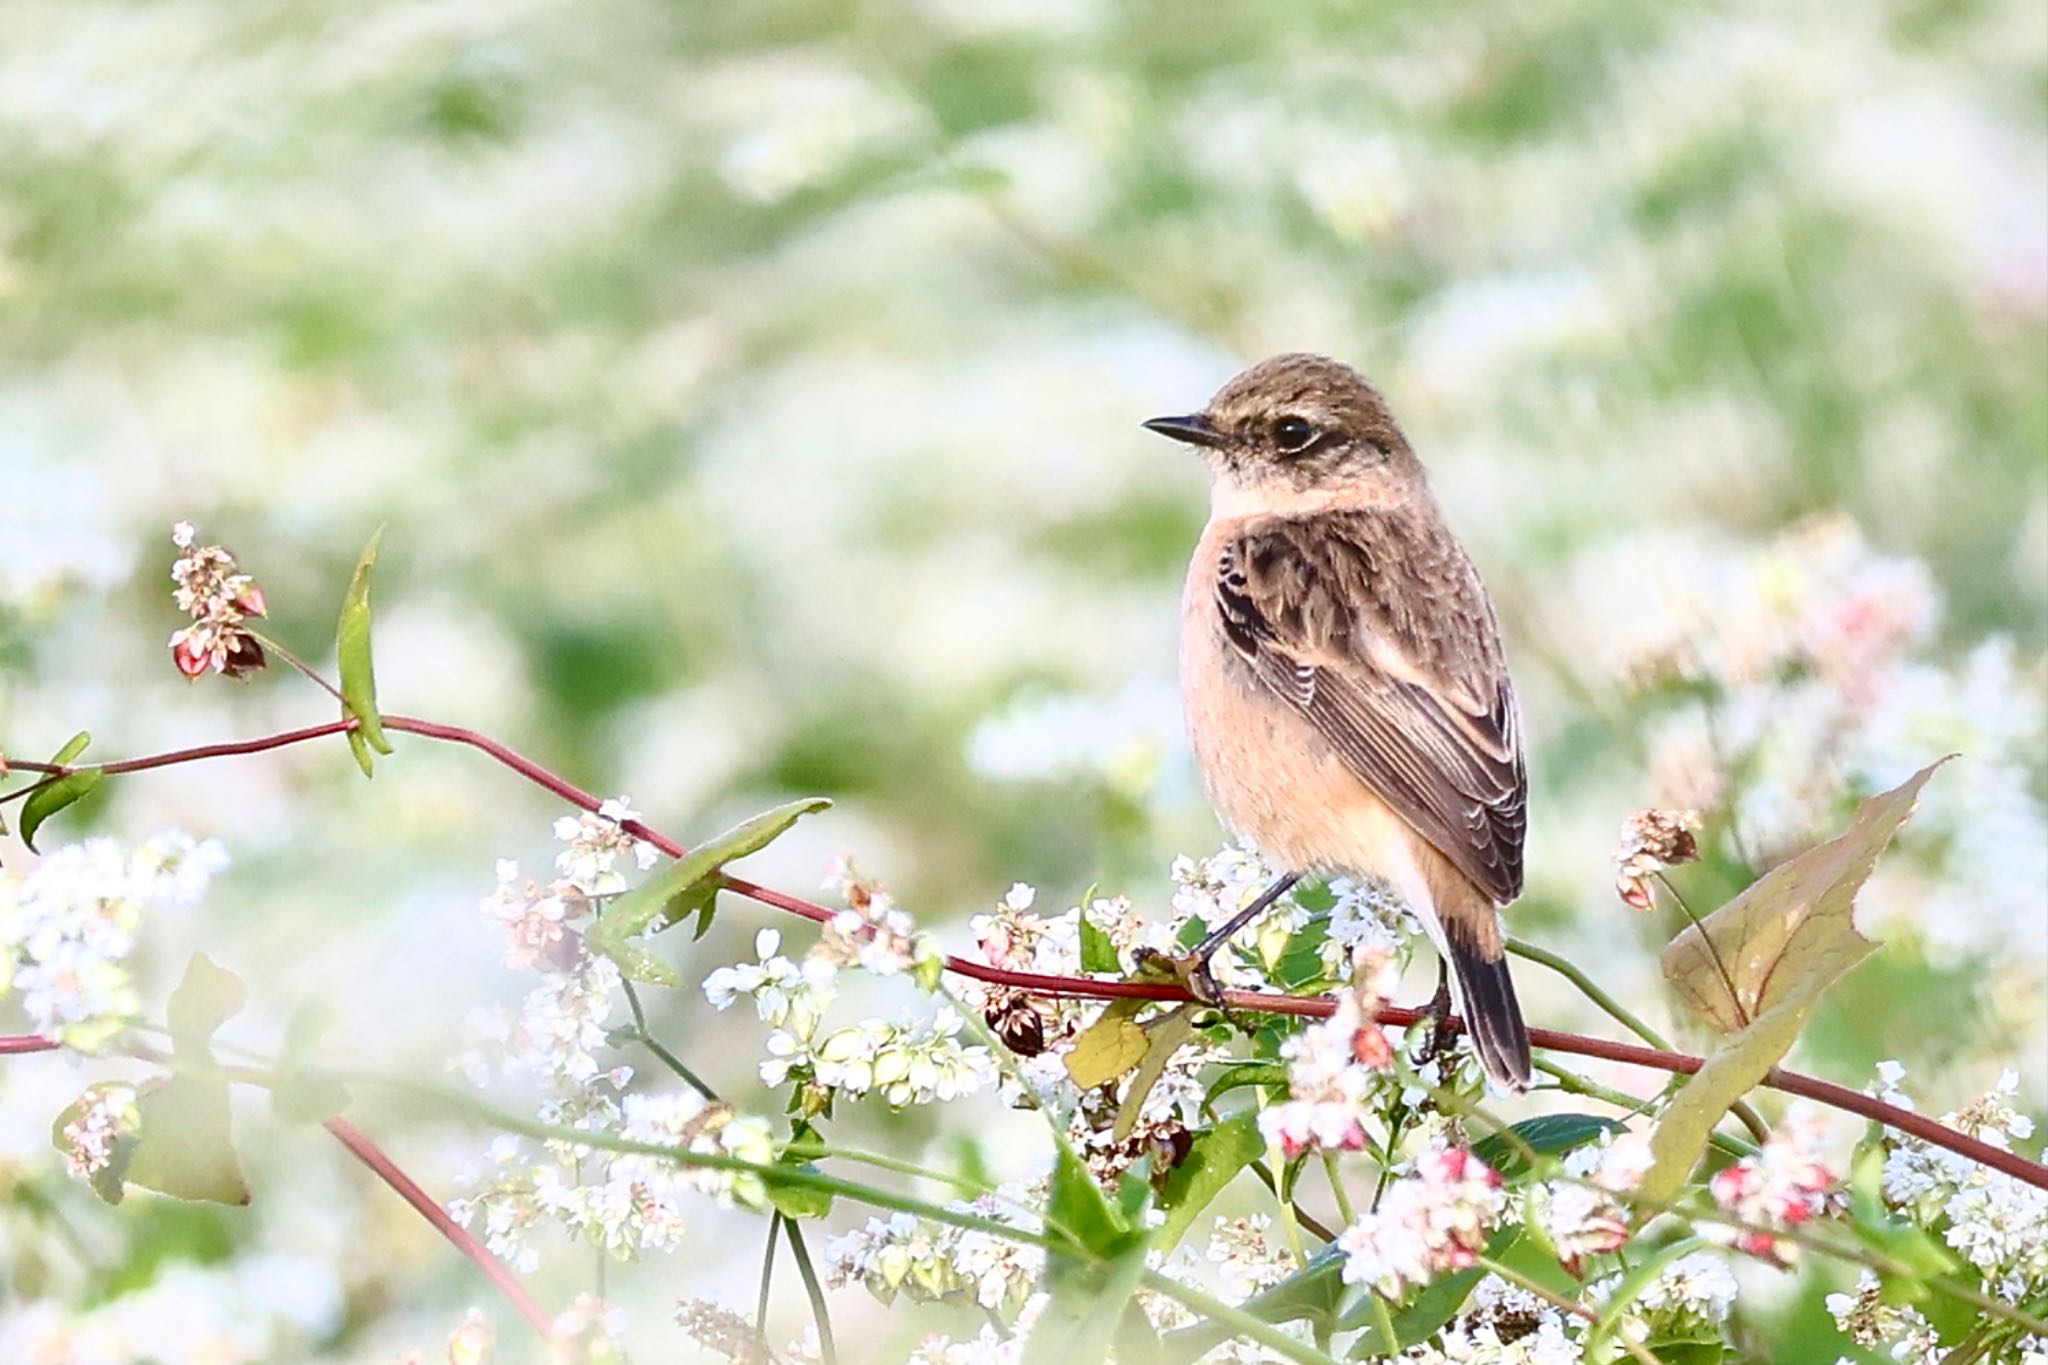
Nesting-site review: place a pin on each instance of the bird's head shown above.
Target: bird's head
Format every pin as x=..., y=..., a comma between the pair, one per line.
x=1298, y=430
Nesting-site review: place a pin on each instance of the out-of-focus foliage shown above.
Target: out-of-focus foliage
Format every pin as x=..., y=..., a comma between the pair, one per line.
x=750, y=395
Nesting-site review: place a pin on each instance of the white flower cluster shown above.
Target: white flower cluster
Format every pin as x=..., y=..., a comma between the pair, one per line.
x=1213, y=889
x=558, y=1035
x=1431, y=1220
x=906, y=1063
x=1501, y=1325
x=68, y=926
x=1336, y=1068
x=1694, y=1294
x=1787, y=1183
x=1581, y=1216
x=937, y=1262
x=104, y=1116
x=1995, y=1222
x=872, y=931
x=625, y=1202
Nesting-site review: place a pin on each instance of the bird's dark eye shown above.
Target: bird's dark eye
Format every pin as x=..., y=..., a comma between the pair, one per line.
x=1294, y=435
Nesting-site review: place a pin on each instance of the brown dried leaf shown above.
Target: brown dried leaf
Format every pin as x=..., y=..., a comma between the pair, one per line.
x=1792, y=933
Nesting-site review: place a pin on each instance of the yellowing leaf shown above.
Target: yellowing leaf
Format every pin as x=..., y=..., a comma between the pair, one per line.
x=1163, y=1038
x=184, y=1147
x=1784, y=942
x=1108, y=1047
x=1791, y=934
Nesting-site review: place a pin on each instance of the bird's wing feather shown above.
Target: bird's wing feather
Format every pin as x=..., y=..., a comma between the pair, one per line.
x=1375, y=626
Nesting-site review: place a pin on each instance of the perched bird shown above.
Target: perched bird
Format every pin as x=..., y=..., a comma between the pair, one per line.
x=1343, y=677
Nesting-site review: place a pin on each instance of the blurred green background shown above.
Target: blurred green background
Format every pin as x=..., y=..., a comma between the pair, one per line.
x=751, y=394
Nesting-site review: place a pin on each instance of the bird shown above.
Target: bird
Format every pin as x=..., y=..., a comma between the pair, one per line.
x=1345, y=686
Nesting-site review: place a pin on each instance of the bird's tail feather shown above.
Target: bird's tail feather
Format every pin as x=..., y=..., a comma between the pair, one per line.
x=1492, y=1014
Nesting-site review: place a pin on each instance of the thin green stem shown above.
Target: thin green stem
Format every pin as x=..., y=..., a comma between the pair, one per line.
x=1383, y=1320
x=1574, y=1084
x=296, y=662
x=1239, y=1322
x=1591, y=989
x=767, y=1279
x=667, y=1058
x=828, y=1350
x=1337, y=1190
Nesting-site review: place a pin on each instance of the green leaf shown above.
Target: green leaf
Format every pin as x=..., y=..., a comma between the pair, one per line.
x=685, y=887
x=185, y=1147
x=1214, y=1159
x=208, y=997
x=793, y=1201
x=1077, y=1206
x=45, y=801
x=1784, y=941
x=1546, y=1135
x=1089, y=1297
x=1312, y=1292
x=1098, y=954
x=1793, y=924
x=1239, y=1074
x=358, y=674
x=185, y=1144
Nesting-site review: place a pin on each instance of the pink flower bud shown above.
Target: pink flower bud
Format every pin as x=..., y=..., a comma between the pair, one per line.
x=190, y=654
x=251, y=600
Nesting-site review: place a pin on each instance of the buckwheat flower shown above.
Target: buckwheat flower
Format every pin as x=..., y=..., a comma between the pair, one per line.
x=785, y=994
x=1330, y=1069
x=68, y=926
x=1369, y=916
x=1585, y=1219
x=557, y=1032
x=871, y=931
x=1652, y=840
x=587, y=1332
x=1432, y=1220
x=720, y=1330
x=1785, y=1184
x=1694, y=1289
x=1865, y=1318
x=596, y=841
x=105, y=1117
x=219, y=597
x=905, y=1063
x=1500, y=1325
x=1247, y=1256
x=533, y=917
x=1213, y=889
x=474, y=1341
x=934, y=1262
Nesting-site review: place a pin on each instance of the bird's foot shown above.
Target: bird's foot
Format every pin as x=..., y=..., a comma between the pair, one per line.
x=1438, y=1010
x=1195, y=969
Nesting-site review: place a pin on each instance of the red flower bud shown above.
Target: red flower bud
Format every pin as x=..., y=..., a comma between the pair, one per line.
x=189, y=654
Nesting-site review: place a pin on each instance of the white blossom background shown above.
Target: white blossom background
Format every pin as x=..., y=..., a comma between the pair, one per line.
x=750, y=394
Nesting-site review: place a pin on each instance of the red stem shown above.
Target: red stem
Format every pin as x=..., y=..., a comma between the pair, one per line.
x=1790, y=1082
x=387, y=1170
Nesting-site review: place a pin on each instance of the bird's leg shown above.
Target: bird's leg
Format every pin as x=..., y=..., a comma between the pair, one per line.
x=1439, y=1011
x=1200, y=981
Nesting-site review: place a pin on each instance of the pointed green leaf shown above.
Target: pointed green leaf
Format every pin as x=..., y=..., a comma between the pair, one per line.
x=686, y=886
x=1098, y=954
x=352, y=650
x=1546, y=1135
x=45, y=801
x=185, y=1147
x=1214, y=1159
x=1784, y=941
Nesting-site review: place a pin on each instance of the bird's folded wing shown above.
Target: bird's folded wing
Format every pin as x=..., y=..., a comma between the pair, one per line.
x=1380, y=633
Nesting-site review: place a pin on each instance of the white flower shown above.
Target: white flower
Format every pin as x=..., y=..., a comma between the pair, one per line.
x=1430, y=1221
x=1334, y=1068
x=1785, y=1184
x=595, y=842
x=105, y=1116
x=69, y=925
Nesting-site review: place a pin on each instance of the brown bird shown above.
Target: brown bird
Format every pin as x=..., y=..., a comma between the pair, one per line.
x=1342, y=671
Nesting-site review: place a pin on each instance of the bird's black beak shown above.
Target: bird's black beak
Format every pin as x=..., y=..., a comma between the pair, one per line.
x=1194, y=429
